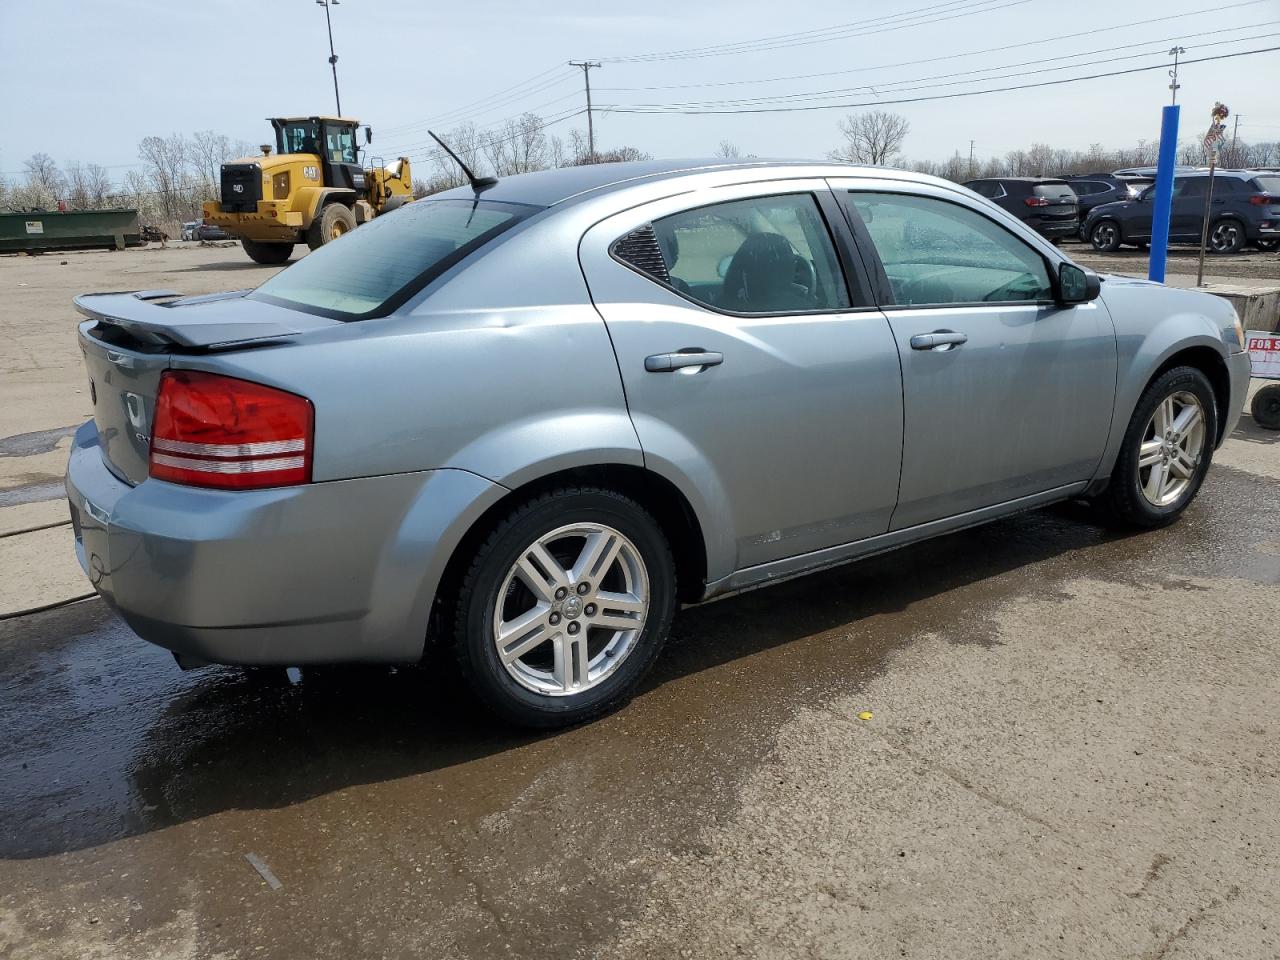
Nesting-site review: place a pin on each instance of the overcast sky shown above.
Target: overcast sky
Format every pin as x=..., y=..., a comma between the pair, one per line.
x=87, y=80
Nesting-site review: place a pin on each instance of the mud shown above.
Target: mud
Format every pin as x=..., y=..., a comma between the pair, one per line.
x=1071, y=754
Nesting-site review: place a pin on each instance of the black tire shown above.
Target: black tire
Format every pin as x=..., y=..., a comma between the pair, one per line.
x=268, y=254
x=335, y=220
x=1266, y=246
x=1105, y=236
x=1123, y=500
x=473, y=608
x=1227, y=236
x=1266, y=407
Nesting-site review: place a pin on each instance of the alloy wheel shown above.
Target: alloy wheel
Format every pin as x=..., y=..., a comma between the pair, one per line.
x=571, y=609
x=1172, y=446
x=1225, y=237
x=1105, y=235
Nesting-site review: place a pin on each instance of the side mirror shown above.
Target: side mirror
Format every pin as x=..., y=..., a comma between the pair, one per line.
x=368, y=134
x=1076, y=284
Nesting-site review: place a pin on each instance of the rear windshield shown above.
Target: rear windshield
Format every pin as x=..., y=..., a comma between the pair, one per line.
x=1053, y=189
x=1269, y=185
x=382, y=263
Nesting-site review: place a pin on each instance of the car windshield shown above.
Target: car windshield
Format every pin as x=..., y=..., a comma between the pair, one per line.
x=381, y=264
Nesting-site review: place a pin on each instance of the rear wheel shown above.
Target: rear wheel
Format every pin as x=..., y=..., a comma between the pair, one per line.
x=1266, y=407
x=1105, y=236
x=1227, y=236
x=564, y=607
x=270, y=254
x=1166, y=450
x=335, y=220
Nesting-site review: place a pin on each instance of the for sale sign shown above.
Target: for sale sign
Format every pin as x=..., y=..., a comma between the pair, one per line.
x=1264, y=354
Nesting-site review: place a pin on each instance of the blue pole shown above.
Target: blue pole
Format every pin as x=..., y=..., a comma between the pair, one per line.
x=1164, y=194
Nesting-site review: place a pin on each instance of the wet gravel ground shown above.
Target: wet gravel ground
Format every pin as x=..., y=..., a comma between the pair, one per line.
x=1071, y=754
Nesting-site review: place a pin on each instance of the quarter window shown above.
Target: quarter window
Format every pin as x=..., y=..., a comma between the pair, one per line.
x=762, y=255
x=936, y=252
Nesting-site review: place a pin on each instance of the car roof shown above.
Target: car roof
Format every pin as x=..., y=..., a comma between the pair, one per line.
x=546, y=188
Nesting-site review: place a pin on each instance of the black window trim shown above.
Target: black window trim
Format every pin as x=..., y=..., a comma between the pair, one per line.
x=887, y=300
x=848, y=273
x=522, y=211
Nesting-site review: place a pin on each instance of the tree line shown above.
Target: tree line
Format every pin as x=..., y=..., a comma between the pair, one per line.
x=177, y=173
x=877, y=138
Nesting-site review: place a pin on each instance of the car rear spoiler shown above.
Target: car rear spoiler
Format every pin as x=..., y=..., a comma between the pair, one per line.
x=165, y=324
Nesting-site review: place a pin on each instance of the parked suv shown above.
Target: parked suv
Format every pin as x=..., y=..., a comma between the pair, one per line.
x=1094, y=189
x=1245, y=209
x=1047, y=205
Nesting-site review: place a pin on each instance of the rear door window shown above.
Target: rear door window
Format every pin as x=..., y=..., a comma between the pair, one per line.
x=377, y=267
x=761, y=255
x=1054, y=190
x=937, y=252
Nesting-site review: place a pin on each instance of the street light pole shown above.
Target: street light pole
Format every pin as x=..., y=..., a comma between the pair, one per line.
x=1175, y=53
x=333, y=57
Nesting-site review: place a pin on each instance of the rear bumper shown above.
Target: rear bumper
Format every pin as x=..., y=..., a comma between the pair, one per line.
x=1057, y=228
x=322, y=573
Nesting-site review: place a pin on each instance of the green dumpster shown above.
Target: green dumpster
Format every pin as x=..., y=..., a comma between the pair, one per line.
x=77, y=230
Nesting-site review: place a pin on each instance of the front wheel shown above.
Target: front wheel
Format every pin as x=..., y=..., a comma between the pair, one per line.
x=564, y=607
x=1166, y=450
x=335, y=220
x=1105, y=236
x=269, y=254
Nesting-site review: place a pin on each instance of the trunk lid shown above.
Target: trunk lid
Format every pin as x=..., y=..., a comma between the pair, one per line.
x=130, y=339
x=1063, y=202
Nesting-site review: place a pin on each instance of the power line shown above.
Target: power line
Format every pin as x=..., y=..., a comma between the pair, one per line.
x=941, y=96
x=878, y=88
x=960, y=8
x=487, y=128
x=485, y=102
x=952, y=56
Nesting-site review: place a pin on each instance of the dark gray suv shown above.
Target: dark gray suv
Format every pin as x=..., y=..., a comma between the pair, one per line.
x=1047, y=205
x=1245, y=209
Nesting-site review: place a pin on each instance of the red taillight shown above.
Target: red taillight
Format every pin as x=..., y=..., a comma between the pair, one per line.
x=216, y=431
x=1036, y=202
x=1262, y=199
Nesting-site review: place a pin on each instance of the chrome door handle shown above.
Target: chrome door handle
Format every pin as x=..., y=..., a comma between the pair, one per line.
x=683, y=359
x=938, y=340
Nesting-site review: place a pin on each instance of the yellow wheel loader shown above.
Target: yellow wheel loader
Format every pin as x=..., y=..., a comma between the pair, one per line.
x=312, y=190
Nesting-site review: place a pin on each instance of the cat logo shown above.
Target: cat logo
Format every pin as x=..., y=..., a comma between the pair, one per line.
x=311, y=173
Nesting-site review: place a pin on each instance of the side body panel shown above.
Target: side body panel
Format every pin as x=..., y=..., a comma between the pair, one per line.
x=1022, y=406
x=797, y=433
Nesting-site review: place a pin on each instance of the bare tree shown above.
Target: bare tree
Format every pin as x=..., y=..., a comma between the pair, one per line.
x=728, y=150
x=875, y=137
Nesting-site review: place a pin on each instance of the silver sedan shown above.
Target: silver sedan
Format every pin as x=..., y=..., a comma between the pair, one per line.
x=528, y=419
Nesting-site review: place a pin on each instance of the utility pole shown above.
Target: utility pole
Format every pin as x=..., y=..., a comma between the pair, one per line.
x=1235, y=129
x=586, y=66
x=970, y=159
x=1175, y=53
x=333, y=57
